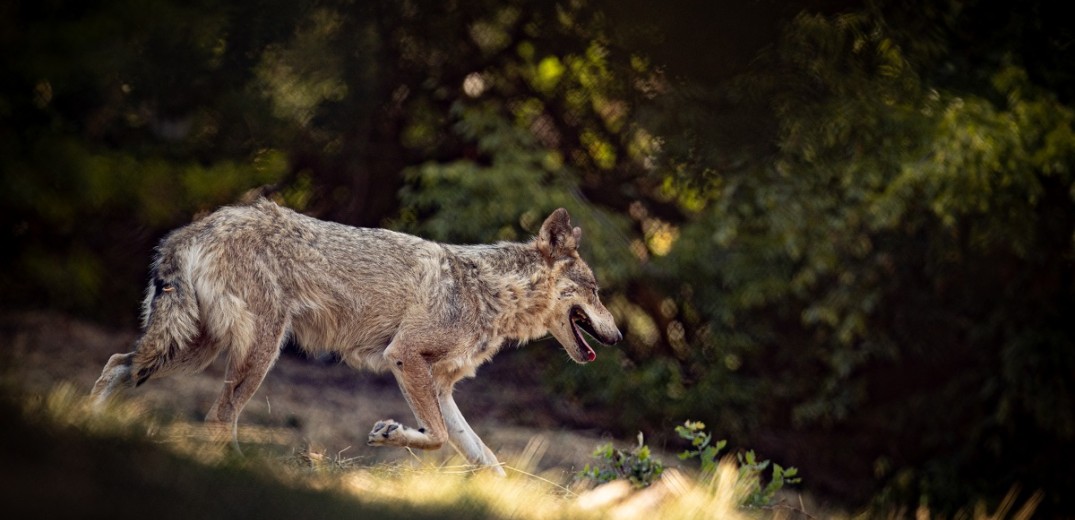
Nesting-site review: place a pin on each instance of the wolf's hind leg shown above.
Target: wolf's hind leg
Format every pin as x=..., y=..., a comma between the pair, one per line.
x=115, y=376
x=171, y=342
x=244, y=376
x=155, y=355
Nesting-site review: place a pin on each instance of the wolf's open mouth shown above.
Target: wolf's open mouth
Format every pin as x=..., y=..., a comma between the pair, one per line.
x=579, y=320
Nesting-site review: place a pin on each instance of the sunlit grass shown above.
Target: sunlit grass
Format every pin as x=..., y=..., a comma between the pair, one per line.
x=426, y=486
x=525, y=495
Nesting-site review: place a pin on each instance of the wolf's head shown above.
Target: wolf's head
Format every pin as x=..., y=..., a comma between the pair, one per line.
x=575, y=307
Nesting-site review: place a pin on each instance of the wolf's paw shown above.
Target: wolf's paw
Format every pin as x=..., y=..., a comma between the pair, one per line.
x=386, y=433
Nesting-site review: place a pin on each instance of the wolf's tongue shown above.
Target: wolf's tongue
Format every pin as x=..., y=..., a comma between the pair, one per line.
x=580, y=338
x=585, y=348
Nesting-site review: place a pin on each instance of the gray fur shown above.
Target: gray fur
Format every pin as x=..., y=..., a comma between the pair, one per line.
x=244, y=278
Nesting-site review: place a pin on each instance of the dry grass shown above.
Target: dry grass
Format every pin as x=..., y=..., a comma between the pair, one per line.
x=425, y=483
x=424, y=486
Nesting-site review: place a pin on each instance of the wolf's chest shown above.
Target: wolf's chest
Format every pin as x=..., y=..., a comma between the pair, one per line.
x=466, y=364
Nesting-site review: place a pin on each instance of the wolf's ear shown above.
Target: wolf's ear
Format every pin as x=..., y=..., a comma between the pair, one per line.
x=557, y=239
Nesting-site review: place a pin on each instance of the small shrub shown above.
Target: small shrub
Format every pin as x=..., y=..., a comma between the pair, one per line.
x=637, y=466
x=640, y=468
x=750, y=469
x=702, y=449
x=762, y=496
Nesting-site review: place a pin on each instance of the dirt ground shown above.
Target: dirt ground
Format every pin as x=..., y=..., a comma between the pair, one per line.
x=305, y=404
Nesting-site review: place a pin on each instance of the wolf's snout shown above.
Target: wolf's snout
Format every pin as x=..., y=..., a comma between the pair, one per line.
x=615, y=338
x=605, y=329
x=610, y=337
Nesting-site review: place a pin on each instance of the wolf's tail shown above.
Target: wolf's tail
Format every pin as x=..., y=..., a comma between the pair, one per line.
x=171, y=320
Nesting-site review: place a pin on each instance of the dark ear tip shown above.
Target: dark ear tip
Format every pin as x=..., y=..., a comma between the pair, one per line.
x=558, y=219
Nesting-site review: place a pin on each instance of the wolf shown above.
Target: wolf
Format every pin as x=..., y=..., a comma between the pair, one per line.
x=246, y=278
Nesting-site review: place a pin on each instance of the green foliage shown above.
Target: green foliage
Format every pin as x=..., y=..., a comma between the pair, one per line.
x=63, y=215
x=701, y=445
x=851, y=257
x=640, y=468
x=509, y=198
x=750, y=469
x=867, y=227
x=637, y=466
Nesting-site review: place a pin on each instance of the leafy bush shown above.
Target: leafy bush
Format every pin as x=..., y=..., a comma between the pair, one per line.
x=750, y=469
x=641, y=469
x=703, y=450
x=763, y=496
x=636, y=466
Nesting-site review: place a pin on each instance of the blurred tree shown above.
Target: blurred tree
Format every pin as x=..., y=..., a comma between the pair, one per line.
x=896, y=270
x=839, y=232
x=120, y=120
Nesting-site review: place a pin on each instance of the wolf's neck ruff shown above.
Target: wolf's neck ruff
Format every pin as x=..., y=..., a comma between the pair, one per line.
x=512, y=288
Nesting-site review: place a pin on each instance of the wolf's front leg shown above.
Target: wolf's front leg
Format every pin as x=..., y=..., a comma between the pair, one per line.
x=392, y=433
x=415, y=380
x=463, y=437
